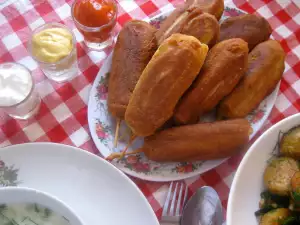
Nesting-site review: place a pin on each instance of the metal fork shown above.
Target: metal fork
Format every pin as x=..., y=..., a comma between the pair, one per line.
x=173, y=208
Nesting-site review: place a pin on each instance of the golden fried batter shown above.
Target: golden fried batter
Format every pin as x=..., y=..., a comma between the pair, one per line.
x=192, y=22
x=214, y=7
x=224, y=66
x=134, y=48
x=251, y=28
x=265, y=68
x=168, y=75
x=204, y=141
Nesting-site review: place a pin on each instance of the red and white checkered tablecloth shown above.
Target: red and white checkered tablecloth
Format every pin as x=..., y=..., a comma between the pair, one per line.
x=63, y=114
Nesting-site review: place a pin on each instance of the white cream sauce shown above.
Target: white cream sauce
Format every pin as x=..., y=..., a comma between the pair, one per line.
x=29, y=214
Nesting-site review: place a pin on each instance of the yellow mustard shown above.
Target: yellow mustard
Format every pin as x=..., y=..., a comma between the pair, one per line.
x=52, y=45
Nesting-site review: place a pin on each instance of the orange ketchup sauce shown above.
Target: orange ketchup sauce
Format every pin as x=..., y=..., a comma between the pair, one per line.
x=95, y=19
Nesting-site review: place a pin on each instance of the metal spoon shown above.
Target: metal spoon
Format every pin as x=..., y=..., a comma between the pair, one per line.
x=203, y=208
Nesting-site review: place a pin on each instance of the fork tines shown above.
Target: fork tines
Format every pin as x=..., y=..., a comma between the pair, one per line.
x=175, y=200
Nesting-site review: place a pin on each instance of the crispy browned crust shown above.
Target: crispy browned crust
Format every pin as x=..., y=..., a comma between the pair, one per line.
x=169, y=73
x=203, y=26
x=251, y=28
x=265, y=68
x=214, y=7
x=192, y=22
x=178, y=15
x=205, y=141
x=224, y=66
x=134, y=48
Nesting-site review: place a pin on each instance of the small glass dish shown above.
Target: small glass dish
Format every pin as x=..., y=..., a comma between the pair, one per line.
x=97, y=38
x=18, y=97
x=65, y=68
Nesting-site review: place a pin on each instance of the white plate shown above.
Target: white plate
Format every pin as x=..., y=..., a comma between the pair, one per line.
x=248, y=182
x=102, y=128
x=96, y=191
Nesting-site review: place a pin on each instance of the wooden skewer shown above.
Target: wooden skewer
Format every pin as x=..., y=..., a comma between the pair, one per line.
x=117, y=133
x=118, y=155
x=132, y=138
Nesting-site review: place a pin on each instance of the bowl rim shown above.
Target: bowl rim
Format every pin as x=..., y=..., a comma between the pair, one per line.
x=244, y=161
x=46, y=196
x=83, y=153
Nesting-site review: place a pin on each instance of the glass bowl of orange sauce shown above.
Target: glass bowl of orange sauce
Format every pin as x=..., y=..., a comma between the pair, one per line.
x=95, y=19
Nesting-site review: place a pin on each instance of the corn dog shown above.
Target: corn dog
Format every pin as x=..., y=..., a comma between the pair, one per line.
x=224, y=66
x=251, y=28
x=190, y=21
x=135, y=46
x=170, y=72
x=206, y=141
x=265, y=69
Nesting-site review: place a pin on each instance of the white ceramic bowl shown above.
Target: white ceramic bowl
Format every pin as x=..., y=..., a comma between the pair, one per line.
x=15, y=195
x=248, y=181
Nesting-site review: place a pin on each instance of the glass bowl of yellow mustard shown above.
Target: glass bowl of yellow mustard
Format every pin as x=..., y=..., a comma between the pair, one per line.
x=53, y=46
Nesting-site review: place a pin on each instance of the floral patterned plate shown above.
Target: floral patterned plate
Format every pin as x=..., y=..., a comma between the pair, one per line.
x=94, y=189
x=102, y=127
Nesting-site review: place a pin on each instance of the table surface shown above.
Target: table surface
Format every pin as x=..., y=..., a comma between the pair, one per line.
x=63, y=114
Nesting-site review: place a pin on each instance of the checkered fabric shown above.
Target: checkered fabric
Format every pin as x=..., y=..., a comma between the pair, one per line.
x=63, y=114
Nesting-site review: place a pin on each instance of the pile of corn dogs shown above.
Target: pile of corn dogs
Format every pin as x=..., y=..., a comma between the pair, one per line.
x=188, y=67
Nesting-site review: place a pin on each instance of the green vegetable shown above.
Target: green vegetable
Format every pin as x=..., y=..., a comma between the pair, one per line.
x=288, y=221
x=280, y=201
x=271, y=202
x=296, y=198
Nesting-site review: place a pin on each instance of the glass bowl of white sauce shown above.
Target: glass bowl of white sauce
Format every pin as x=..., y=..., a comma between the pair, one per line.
x=25, y=206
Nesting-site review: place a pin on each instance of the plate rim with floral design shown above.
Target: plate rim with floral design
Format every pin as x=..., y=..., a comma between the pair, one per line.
x=137, y=166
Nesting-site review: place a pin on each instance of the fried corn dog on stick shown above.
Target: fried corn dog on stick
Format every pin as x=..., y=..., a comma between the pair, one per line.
x=265, y=69
x=191, y=21
x=170, y=72
x=206, y=141
x=214, y=7
x=251, y=28
x=224, y=66
x=134, y=48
